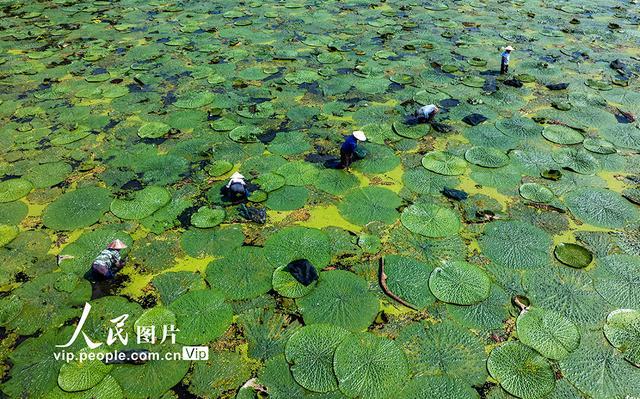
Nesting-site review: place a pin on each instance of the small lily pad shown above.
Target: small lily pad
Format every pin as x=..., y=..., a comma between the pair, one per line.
x=573, y=255
x=206, y=217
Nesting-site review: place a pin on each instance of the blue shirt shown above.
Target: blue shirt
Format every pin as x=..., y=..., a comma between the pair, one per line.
x=350, y=144
x=505, y=57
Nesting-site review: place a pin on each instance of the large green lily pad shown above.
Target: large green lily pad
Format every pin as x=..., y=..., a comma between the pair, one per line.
x=143, y=204
x=601, y=207
x=460, y=283
x=368, y=204
x=622, y=329
x=548, y=332
x=370, y=367
x=431, y=220
x=444, y=163
x=294, y=243
x=202, y=316
x=14, y=189
x=310, y=352
x=243, y=274
x=521, y=371
x=340, y=298
x=78, y=208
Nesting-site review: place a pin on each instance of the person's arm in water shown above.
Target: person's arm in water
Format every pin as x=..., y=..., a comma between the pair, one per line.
x=118, y=262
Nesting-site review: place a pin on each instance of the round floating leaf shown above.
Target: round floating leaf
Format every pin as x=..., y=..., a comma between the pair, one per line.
x=409, y=279
x=75, y=209
x=7, y=234
x=286, y=285
x=202, y=316
x=487, y=157
x=48, y=174
x=258, y=196
x=431, y=220
x=364, y=205
x=336, y=182
x=206, y=217
x=153, y=130
x=438, y=386
x=269, y=182
x=223, y=372
x=536, y=192
x=601, y=207
x=298, y=173
x=623, y=331
x=295, y=243
x=80, y=376
x=402, y=78
x=598, y=84
x=521, y=371
x=423, y=181
x=370, y=367
x=473, y=81
x=158, y=317
x=617, y=279
x=567, y=291
x=562, y=135
x=14, y=189
x=289, y=143
x=242, y=274
x=145, y=202
x=310, y=352
x=340, y=298
x=519, y=127
x=599, y=371
x=460, y=283
x=219, y=168
x=444, y=163
x=411, y=131
x=516, y=244
x=599, y=146
x=194, y=100
x=379, y=133
x=577, y=160
x=171, y=285
x=444, y=348
x=245, y=134
x=379, y=159
x=573, y=255
x=287, y=198
x=214, y=242
x=548, y=332
x=153, y=378
x=35, y=370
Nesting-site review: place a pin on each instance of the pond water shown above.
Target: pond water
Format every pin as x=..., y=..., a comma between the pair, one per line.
x=494, y=253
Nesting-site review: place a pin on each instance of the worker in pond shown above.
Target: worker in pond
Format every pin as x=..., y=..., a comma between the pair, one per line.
x=506, y=57
x=349, y=147
x=427, y=113
x=236, y=188
x=109, y=261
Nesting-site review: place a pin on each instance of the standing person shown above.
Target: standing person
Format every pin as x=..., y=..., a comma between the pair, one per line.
x=506, y=57
x=109, y=261
x=236, y=189
x=427, y=113
x=348, y=148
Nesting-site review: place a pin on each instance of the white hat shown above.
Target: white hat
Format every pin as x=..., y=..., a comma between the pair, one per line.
x=237, y=175
x=117, y=244
x=359, y=134
x=509, y=48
